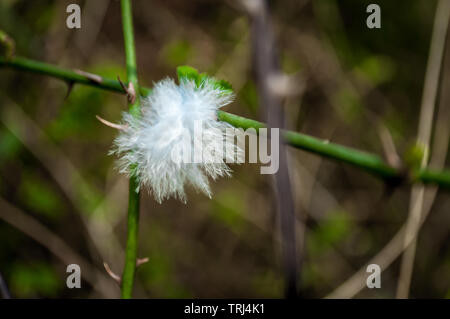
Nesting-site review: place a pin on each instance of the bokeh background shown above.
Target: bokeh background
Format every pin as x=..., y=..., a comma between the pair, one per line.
x=61, y=198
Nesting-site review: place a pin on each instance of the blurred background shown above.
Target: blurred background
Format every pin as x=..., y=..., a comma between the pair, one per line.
x=62, y=201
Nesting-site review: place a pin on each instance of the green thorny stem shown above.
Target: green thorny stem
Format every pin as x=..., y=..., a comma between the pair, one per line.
x=369, y=162
x=133, y=201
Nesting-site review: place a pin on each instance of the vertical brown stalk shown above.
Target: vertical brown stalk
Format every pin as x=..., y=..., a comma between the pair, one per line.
x=266, y=67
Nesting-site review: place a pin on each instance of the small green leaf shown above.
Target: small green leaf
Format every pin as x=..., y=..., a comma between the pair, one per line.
x=186, y=72
x=202, y=78
x=224, y=85
x=189, y=73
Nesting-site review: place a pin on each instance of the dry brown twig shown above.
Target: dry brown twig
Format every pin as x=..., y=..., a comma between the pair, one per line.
x=433, y=72
x=34, y=229
x=265, y=63
x=66, y=175
x=397, y=244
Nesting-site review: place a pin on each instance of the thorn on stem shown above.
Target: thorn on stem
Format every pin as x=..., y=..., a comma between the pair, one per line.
x=130, y=91
x=92, y=77
x=110, y=124
x=70, y=86
x=122, y=84
x=117, y=278
x=141, y=261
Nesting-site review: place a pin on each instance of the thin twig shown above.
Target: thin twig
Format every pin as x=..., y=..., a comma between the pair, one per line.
x=34, y=229
x=396, y=245
x=65, y=174
x=390, y=151
x=433, y=72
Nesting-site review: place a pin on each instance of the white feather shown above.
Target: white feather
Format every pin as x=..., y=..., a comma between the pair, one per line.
x=168, y=113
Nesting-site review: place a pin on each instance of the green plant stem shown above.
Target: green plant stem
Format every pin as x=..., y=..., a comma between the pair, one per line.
x=68, y=75
x=133, y=200
x=369, y=162
x=132, y=240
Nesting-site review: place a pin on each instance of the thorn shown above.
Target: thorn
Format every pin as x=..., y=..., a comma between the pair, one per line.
x=122, y=85
x=110, y=124
x=70, y=86
x=130, y=91
x=111, y=273
x=141, y=261
x=93, y=77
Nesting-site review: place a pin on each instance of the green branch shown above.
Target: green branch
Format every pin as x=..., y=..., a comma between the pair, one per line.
x=133, y=201
x=369, y=162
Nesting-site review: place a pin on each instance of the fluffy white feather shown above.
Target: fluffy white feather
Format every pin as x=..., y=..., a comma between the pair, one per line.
x=170, y=115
